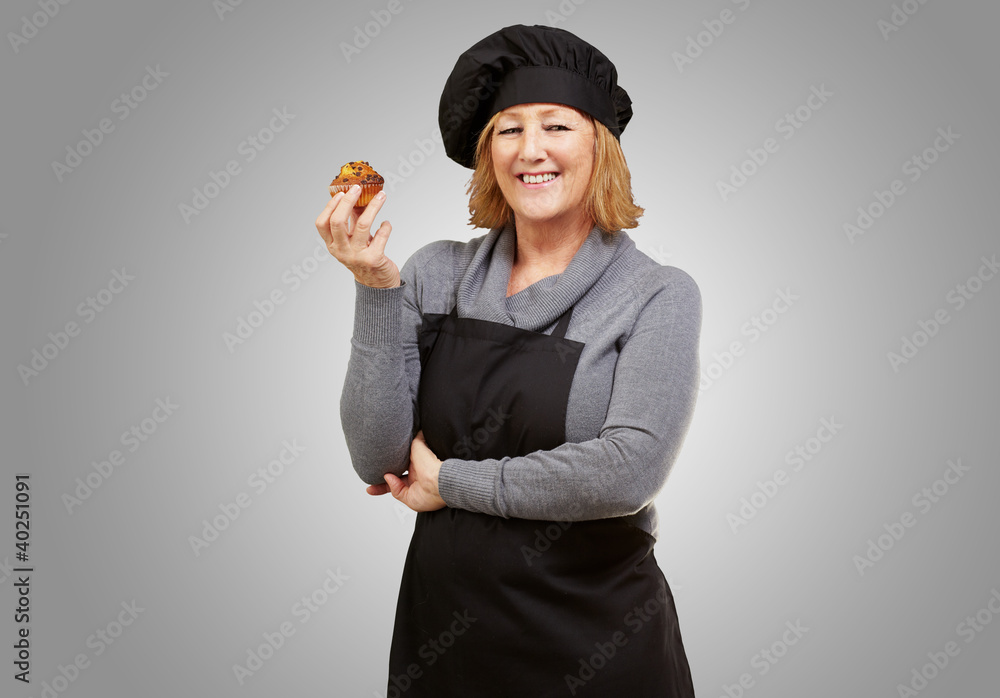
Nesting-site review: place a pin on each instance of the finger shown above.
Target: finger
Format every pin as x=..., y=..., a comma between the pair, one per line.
x=376, y=490
x=338, y=225
x=418, y=446
x=352, y=195
x=366, y=219
x=323, y=221
x=361, y=238
x=380, y=238
x=341, y=218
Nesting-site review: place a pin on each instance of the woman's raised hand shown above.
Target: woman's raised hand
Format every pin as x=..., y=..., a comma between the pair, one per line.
x=348, y=237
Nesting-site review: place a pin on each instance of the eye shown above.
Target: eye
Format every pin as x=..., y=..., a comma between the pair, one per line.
x=556, y=127
x=506, y=131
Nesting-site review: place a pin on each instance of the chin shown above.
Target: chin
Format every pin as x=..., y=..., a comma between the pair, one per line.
x=543, y=219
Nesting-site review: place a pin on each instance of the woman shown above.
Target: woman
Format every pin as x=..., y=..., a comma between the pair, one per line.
x=526, y=392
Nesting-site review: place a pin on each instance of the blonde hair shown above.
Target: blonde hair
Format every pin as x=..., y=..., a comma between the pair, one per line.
x=607, y=201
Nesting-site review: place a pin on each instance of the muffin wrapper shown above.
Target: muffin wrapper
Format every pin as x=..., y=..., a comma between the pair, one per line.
x=368, y=191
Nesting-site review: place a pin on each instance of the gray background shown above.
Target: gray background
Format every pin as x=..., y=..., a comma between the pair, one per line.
x=163, y=335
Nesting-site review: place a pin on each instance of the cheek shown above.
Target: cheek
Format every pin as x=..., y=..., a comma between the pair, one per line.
x=501, y=168
x=501, y=154
x=583, y=171
x=583, y=155
x=495, y=156
x=587, y=171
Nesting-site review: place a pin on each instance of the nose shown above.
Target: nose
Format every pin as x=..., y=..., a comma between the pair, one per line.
x=532, y=148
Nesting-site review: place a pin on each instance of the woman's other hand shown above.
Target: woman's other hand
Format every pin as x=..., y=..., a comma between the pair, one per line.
x=346, y=230
x=418, y=489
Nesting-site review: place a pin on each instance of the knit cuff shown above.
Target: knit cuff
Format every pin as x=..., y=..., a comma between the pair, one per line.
x=469, y=484
x=377, y=314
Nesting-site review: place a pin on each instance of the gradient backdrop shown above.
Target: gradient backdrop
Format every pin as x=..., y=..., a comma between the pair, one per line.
x=175, y=337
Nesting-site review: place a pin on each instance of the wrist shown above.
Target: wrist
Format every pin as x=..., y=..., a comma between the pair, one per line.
x=435, y=475
x=370, y=283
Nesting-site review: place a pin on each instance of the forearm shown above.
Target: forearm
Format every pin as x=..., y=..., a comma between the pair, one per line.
x=614, y=475
x=622, y=469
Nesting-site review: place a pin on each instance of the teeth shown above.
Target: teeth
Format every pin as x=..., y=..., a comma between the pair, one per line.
x=538, y=179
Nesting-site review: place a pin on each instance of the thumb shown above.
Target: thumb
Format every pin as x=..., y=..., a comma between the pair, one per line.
x=381, y=237
x=396, y=486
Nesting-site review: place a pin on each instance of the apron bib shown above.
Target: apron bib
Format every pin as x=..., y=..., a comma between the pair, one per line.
x=518, y=608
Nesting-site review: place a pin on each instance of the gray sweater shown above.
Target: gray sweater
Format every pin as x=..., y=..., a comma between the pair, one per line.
x=632, y=397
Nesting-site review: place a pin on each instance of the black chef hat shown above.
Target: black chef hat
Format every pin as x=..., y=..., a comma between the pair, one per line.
x=520, y=65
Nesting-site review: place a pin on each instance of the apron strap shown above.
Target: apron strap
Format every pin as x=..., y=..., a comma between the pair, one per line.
x=560, y=330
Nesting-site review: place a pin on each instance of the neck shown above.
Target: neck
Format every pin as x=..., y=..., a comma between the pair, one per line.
x=549, y=246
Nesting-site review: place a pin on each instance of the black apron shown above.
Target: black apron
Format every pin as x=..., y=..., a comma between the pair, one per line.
x=518, y=608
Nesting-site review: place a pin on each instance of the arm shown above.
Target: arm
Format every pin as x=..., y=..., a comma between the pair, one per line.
x=377, y=402
x=622, y=470
x=379, y=398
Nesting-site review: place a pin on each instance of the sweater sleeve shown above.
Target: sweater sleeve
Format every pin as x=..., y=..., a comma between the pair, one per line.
x=379, y=398
x=622, y=470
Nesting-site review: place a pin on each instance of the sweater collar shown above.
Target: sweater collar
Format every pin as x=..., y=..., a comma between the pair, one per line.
x=482, y=291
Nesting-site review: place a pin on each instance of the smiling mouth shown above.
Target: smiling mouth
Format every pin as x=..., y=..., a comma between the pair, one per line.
x=539, y=178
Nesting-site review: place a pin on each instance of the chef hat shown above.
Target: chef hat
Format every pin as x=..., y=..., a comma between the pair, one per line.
x=520, y=65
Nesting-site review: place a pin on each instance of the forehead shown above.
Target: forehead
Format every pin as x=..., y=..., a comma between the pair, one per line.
x=541, y=110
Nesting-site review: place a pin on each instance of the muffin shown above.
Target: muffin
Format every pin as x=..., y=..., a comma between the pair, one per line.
x=358, y=172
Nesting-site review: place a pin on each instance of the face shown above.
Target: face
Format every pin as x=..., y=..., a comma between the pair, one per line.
x=543, y=156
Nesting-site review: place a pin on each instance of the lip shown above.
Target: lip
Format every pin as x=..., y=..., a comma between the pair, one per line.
x=537, y=185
